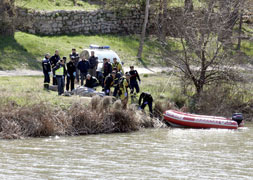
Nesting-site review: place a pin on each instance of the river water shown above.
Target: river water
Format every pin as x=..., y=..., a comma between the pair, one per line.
x=147, y=154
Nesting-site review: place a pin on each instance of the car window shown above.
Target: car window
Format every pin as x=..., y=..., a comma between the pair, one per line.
x=106, y=54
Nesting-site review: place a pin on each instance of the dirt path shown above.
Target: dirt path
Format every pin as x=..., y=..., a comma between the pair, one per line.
x=24, y=72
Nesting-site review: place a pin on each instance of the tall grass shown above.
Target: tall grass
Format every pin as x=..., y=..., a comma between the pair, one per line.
x=42, y=119
x=55, y=5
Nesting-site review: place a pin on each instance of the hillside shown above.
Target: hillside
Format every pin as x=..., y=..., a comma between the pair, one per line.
x=26, y=50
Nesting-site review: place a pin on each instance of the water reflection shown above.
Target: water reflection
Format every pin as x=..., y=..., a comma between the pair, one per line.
x=148, y=154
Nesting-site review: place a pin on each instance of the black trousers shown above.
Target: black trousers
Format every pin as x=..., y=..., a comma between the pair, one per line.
x=149, y=103
x=71, y=82
x=107, y=91
x=46, y=80
x=115, y=92
x=134, y=85
x=60, y=81
x=54, y=81
x=83, y=77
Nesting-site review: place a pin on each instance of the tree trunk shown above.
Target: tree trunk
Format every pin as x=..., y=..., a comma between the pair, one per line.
x=75, y=2
x=240, y=32
x=163, y=20
x=139, y=55
x=7, y=17
x=188, y=5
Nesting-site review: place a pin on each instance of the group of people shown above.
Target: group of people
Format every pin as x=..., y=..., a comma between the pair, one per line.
x=112, y=77
x=75, y=70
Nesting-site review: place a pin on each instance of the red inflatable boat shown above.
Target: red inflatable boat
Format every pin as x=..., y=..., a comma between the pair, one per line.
x=181, y=119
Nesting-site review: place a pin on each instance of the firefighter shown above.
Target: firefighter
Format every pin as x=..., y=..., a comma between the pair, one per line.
x=123, y=89
x=54, y=60
x=117, y=65
x=116, y=82
x=91, y=81
x=46, y=71
x=133, y=80
x=59, y=73
x=75, y=56
x=107, y=67
x=71, y=74
x=109, y=81
x=147, y=100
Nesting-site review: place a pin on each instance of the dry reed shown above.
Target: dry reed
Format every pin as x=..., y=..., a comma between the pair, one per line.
x=102, y=115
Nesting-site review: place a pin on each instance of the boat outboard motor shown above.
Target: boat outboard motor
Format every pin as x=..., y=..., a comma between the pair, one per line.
x=237, y=117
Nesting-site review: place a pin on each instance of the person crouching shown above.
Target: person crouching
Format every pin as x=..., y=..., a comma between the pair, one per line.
x=91, y=81
x=59, y=72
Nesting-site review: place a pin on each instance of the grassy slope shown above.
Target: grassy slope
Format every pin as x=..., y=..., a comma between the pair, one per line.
x=55, y=5
x=26, y=50
x=81, y=5
x=29, y=90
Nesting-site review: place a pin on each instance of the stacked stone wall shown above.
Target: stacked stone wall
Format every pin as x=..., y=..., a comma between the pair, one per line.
x=79, y=22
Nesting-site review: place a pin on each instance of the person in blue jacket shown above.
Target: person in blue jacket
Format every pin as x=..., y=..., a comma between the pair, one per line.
x=46, y=66
x=83, y=66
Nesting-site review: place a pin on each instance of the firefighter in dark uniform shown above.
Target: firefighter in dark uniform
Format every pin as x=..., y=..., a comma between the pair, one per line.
x=91, y=81
x=107, y=69
x=59, y=73
x=46, y=71
x=71, y=74
x=109, y=81
x=116, y=82
x=147, y=100
x=54, y=60
x=133, y=80
x=74, y=55
x=123, y=89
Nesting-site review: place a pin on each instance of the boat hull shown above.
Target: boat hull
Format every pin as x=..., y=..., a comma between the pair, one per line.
x=180, y=119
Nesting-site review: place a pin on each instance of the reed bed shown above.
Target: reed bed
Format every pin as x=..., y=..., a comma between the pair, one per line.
x=101, y=115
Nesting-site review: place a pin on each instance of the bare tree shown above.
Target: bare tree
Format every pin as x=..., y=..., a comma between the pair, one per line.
x=7, y=17
x=202, y=58
x=139, y=55
x=161, y=22
x=241, y=11
x=75, y=2
x=188, y=5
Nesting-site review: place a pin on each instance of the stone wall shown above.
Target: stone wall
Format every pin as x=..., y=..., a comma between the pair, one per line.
x=79, y=22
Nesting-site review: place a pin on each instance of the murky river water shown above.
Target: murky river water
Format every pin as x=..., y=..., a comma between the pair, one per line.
x=147, y=154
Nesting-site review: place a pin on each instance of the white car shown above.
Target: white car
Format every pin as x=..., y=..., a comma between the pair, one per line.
x=101, y=52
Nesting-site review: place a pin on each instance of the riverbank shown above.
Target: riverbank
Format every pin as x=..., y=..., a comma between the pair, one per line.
x=26, y=110
x=100, y=115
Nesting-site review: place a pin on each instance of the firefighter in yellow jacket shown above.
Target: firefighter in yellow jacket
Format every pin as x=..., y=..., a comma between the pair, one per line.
x=117, y=65
x=123, y=89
